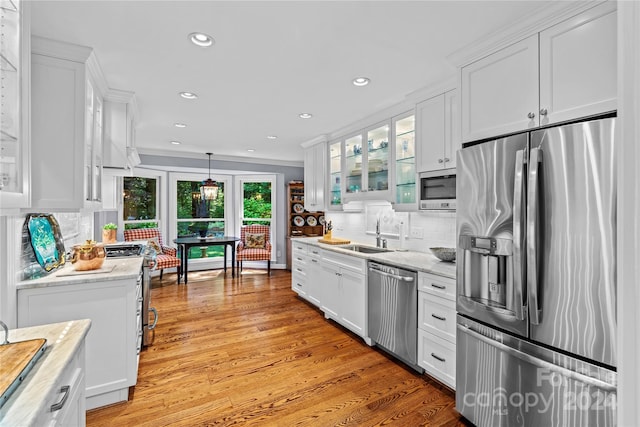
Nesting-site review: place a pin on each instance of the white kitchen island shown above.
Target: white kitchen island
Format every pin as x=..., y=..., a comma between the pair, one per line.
x=61, y=365
x=112, y=300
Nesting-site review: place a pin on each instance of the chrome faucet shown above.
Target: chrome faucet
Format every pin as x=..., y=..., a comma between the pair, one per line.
x=378, y=238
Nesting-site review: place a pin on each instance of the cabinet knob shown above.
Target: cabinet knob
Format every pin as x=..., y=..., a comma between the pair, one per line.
x=440, y=161
x=531, y=115
x=543, y=111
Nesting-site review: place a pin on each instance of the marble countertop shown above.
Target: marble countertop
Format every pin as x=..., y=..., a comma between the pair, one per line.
x=412, y=260
x=112, y=269
x=30, y=398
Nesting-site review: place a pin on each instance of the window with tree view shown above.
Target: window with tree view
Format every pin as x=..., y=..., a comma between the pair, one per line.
x=256, y=203
x=199, y=217
x=140, y=204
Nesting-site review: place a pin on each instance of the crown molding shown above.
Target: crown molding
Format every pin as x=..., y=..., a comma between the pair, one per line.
x=546, y=16
x=123, y=97
x=238, y=159
x=57, y=49
x=317, y=140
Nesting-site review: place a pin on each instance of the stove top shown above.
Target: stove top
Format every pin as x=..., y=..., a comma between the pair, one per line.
x=124, y=250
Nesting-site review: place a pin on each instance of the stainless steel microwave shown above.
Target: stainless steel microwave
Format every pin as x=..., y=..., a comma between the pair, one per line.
x=438, y=190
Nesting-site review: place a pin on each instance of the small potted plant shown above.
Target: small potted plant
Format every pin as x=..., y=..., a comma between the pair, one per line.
x=109, y=233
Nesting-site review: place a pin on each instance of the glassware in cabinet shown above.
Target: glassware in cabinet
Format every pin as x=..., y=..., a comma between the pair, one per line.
x=378, y=158
x=353, y=163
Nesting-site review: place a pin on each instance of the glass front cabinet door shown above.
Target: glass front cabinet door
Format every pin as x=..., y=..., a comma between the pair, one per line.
x=335, y=175
x=367, y=161
x=353, y=165
x=14, y=105
x=404, y=146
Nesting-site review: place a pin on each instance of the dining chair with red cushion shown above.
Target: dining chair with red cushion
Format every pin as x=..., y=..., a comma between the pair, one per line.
x=166, y=255
x=254, y=245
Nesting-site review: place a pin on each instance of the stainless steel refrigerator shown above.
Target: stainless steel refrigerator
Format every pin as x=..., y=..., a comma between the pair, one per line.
x=536, y=278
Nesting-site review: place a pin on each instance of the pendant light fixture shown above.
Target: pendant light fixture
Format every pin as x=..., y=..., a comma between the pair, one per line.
x=209, y=188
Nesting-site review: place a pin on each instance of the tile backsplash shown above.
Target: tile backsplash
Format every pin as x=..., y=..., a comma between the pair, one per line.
x=423, y=230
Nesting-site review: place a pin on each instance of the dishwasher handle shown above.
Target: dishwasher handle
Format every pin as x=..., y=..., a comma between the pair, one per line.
x=394, y=276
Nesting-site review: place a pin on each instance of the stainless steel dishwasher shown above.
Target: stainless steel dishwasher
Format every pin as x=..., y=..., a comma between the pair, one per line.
x=393, y=311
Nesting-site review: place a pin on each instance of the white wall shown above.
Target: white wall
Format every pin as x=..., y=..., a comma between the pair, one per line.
x=438, y=228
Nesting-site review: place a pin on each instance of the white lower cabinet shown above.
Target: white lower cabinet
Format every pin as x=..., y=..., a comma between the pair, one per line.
x=299, y=268
x=344, y=297
x=65, y=405
x=437, y=327
x=314, y=285
x=111, y=343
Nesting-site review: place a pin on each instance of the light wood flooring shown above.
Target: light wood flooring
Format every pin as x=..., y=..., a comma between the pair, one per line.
x=248, y=351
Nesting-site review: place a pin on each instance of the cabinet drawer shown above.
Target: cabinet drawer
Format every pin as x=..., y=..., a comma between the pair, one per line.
x=437, y=357
x=355, y=264
x=299, y=248
x=437, y=285
x=299, y=282
x=437, y=315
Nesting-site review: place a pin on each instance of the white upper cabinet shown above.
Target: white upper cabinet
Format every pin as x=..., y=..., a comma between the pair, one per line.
x=367, y=164
x=578, y=66
x=314, y=177
x=576, y=59
x=404, y=144
x=14, y=106
x=437, y=130
x=66, y=119
x=500, y=91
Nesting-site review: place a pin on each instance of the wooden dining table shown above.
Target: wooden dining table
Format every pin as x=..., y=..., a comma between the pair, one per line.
x=185, y=243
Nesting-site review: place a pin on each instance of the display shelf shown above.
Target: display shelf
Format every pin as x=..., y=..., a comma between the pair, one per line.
x=296, y=196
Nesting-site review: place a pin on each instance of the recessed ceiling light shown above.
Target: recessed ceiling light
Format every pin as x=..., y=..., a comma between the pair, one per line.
x=201, y=39
x=180, y=125
x=305, y=115
x=188, y=95
x=176, y=142
x=251, y=150
x=272, y=137
x=361, y=81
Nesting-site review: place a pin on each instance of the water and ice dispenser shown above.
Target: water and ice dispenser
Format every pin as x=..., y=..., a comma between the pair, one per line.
x=487, y=271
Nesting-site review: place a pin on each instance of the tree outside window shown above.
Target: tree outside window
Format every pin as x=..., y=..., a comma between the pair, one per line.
x=256, y=203
x=140, y=206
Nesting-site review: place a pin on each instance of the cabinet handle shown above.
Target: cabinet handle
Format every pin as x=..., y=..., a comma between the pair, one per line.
x=314, y=260
x=155, y=318
x=440, y=161
x=543, y=111
x=57, y=406
x=438, y=358
x=298, y=269
x=446, y=159
x=298, y=285
x=435, y=316
x=438, y=286
x=531, y=115
x=299, y=259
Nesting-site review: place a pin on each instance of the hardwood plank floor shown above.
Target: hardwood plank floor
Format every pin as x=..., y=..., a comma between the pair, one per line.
x=248, y=351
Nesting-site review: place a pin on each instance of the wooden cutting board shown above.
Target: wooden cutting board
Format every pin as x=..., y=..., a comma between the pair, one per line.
x=17, y=360
x=334, y=241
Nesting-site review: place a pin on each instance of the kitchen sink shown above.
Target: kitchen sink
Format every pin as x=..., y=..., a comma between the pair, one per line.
x=366, y=249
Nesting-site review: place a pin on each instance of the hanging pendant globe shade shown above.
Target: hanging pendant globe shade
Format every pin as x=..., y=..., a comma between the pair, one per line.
x=209, y=188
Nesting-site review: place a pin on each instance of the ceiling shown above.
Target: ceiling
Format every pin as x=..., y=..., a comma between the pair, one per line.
x=270, y=62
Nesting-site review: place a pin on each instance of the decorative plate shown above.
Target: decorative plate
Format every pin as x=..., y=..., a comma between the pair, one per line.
x=311, y=220
x=46, y=240
x=321, y=219
x=298, y=220
x=298, y=208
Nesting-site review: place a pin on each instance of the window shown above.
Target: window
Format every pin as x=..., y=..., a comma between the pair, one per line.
x=194, y=216
x=256, y=202
x=140, y=202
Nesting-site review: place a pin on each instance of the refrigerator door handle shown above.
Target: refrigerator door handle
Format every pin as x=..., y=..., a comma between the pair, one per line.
x=518, y=236
x=532, y=236
x=567, y=373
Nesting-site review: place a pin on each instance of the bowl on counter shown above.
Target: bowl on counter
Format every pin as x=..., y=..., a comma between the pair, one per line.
x=444, y=254
x=87, y=256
